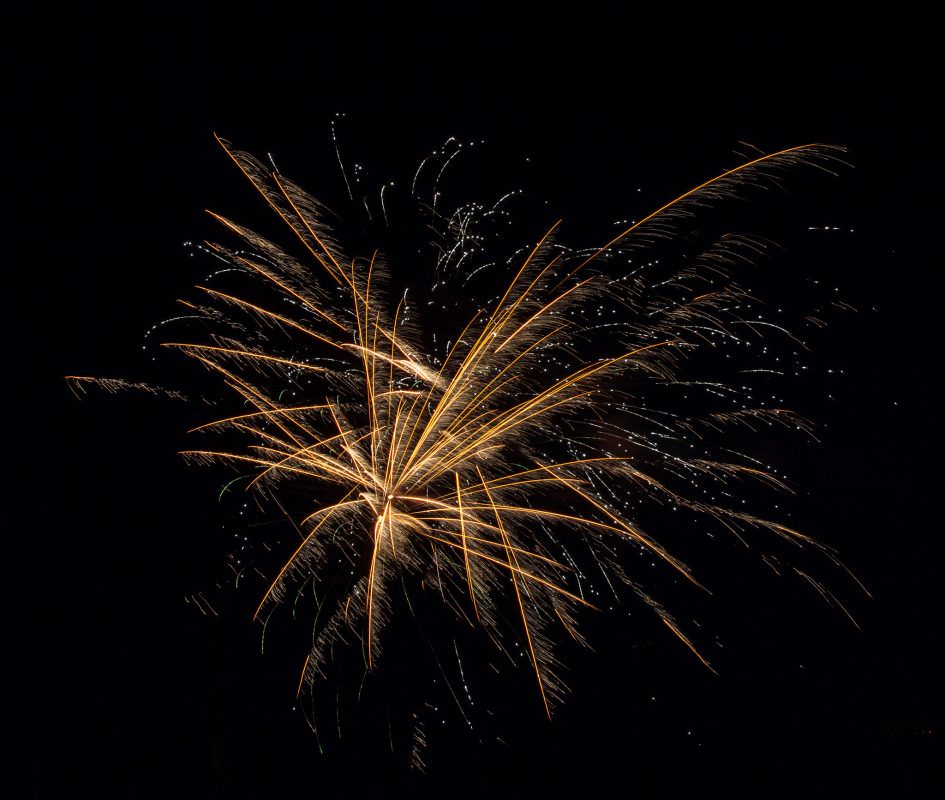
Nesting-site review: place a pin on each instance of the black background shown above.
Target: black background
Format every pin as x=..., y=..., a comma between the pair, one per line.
x=134, y=694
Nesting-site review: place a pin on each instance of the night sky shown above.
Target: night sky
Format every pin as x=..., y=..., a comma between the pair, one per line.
x=134, y=693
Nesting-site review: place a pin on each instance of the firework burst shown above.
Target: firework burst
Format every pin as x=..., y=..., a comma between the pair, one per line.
x=486, y=470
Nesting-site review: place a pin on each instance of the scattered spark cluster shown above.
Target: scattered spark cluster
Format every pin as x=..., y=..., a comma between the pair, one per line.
x=490, y=461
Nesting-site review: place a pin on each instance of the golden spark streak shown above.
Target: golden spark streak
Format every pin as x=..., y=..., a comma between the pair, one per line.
x=462, y=529
x=278, y=210
x=378, y=529
x=693, y=191
x=272, y=315
x=244, y=354
x=328, y=512
x=513, y=567
x=685, y=640
x=298, y=691
x=273, y=412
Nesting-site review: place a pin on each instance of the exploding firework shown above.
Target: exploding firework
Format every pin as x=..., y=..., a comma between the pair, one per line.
x=487, y=462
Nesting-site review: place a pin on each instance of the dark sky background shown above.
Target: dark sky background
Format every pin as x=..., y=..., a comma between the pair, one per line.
x=135, y=694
